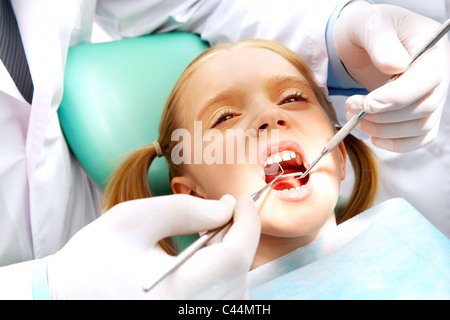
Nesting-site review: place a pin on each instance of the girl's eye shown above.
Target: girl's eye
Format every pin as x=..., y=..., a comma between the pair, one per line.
x=294, y=97
x=223, y=116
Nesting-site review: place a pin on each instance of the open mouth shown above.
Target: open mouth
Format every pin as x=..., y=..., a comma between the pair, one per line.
x=291, y=162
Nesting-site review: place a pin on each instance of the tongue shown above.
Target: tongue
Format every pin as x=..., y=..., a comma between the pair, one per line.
x=285, y=183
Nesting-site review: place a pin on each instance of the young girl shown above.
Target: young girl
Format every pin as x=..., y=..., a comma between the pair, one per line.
x=260, y=87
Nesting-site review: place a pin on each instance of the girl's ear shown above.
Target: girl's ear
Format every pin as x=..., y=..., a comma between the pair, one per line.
x=186, y=185
x=343, y=158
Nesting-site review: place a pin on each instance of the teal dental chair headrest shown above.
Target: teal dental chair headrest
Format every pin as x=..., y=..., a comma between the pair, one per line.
x=114, y=94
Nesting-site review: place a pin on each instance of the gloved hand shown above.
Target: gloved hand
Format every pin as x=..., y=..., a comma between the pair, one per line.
x=116, y=254
x=375, y=42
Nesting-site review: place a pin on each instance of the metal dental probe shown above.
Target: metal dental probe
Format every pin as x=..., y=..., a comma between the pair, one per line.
x=199, y=243
x=356, y=119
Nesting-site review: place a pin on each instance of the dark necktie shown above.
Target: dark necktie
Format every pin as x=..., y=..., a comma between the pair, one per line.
x=12, y=53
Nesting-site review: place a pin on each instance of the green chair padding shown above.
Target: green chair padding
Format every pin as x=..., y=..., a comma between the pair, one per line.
x=114, y=94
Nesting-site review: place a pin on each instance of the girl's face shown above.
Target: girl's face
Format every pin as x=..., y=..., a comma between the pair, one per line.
x=258, y=92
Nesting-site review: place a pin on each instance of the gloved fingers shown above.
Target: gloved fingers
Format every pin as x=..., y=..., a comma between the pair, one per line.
x=240, y=242
x=383, y=46
x=402, y=145
x=423, y=81
x=399, y=129
x=231, y=202
x=367, y=42
x=153, y=219
x=392, y=35
x=116, y=254
x=375, y=42
x=423, y=107
x=246, y=227
x=221, y=268
x=407, y=110
x=417, y=110
x=404, y=129
x=211, y=273
x=241, y=208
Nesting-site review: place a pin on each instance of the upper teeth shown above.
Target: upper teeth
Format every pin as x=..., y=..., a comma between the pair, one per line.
x=280, y=156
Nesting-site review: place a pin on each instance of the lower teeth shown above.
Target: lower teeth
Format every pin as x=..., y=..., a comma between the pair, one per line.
x=293, y=189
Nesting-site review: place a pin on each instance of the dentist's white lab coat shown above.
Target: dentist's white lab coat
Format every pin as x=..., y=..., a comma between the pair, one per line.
x=45, y=196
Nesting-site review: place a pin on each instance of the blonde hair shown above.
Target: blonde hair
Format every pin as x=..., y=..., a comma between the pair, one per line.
x=129, y=181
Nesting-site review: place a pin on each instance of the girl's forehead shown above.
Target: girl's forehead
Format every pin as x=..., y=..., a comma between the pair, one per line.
x=241, y=65
x=246, y=58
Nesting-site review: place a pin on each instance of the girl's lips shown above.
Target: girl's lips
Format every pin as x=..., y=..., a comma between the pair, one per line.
x=288, y=155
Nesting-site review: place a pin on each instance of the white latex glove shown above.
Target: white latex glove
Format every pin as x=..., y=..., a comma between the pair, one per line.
x=375, y=42
x=116, y=254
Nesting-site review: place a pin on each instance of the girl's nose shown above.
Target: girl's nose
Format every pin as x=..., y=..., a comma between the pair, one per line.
x=279, y=123
x=270, y=118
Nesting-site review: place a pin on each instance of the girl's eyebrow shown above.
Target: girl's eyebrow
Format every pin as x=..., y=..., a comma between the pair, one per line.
x=284, y=80
x=218, y=98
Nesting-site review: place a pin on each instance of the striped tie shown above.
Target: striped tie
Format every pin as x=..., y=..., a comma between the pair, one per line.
x=12, y=53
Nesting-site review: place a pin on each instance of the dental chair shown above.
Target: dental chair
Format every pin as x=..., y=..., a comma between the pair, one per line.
x=114, y=94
